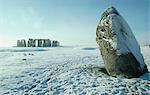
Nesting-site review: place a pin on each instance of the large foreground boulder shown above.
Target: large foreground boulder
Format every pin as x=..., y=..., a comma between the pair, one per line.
x=119, y=48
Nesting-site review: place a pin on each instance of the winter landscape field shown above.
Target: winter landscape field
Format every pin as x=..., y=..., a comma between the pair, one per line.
x=70, y=70
x=64, y=47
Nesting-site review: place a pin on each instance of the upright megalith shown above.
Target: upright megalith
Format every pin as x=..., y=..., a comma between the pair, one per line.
x=18, y=43
x=55, y=44
x=46, y=43
x=40, y=43
x=119, y=48
x=21, y=43
x=30, y=42
x=49, y=44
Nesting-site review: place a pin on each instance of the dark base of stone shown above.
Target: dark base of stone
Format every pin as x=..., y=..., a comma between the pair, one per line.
x=125, y=66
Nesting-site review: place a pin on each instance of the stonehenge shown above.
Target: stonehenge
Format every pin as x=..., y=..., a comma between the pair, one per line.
x=37, y=43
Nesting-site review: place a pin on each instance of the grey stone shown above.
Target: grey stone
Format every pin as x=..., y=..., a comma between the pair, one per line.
x=46, y=43
x=18, y=43
x=123, y=64
x=23, y=42
x=39, y=43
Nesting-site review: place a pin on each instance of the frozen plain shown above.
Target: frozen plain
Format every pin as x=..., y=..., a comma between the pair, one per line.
x=72, y=70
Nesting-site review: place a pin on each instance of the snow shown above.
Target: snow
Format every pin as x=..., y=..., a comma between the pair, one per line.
x=64, y=71
x=124, y=41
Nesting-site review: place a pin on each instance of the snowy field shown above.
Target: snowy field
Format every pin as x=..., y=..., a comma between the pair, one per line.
x=64, y=71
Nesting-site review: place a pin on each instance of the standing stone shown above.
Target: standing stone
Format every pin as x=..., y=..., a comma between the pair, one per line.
x=119, y=48
x=23, y=42
x=57, y=43
x=18, y=43
x=53, y=43
x=33, y=43
x=30, y=42
x=46, y=43
x=39, y=42
x=49, y=43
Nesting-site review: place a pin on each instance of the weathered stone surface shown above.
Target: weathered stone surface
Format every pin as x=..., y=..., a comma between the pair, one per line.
x=46, y=43
x=31, y=42
x=39, y=43
x=21, y=43
x=119, y=48
x=18, y=43
x=55, y=43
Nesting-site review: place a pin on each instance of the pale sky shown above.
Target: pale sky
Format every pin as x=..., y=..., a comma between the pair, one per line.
x=72, y=22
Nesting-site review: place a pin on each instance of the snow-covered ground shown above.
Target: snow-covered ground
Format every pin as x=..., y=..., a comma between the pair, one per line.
x=64, y=71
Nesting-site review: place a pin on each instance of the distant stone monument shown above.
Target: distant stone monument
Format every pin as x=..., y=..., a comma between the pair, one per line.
x=119, y=48
x=21, y=43
x=55, y=43
x=37, y=43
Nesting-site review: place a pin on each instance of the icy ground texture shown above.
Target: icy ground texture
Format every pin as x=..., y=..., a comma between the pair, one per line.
x=64, y=71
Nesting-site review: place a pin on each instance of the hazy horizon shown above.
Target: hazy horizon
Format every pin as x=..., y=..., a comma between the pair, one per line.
x=69, y=22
